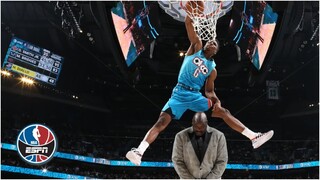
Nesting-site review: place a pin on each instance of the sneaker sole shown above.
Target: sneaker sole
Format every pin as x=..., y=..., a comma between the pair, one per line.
x=267, y=137
x=131, y=156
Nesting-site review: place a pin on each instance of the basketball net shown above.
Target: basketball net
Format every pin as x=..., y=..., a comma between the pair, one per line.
x=204, y=18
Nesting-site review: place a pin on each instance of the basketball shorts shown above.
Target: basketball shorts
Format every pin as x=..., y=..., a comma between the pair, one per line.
x=182, y=99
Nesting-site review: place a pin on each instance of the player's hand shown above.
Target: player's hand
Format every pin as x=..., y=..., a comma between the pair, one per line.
x=216, y=110
x=216, y=106
x=194, y=8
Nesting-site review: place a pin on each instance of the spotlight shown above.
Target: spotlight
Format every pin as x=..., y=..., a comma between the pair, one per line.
x=238, y=52
x=5, y=73
x=181, y=54
x=152, y=45
x=27, y=80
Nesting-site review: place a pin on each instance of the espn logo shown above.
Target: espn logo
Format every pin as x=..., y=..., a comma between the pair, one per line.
x=37, y=150
x=36, y=144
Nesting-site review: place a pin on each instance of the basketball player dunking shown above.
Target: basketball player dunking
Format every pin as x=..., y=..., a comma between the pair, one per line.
x=198, y=69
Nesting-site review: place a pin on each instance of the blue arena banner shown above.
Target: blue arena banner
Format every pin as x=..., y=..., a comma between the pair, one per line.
x=170, y=164
x=143, y=163
x=39, y=172
x=74, y=157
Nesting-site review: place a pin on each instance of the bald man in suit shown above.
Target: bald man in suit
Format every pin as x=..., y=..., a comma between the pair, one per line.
x=200, y=151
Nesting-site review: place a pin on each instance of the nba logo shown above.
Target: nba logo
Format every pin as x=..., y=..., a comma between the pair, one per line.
x=36, y=144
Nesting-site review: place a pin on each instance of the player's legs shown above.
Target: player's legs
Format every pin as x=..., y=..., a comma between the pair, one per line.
x=173, y=108
x=228, y=118
x=135, y=154
x=203, y=104
x=163, y=121
x=257, y=138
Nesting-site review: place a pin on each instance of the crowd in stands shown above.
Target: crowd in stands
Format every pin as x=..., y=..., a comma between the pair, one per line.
x=113, y=145
x=114, y=148
x=240, y=151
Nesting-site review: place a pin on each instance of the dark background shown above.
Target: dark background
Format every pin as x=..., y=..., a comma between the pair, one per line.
x=122, y=103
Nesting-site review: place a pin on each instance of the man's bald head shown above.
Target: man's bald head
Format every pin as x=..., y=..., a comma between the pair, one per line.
x=199, y=123
x=200, y=117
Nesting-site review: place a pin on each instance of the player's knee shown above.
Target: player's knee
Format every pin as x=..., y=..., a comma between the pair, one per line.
x=222, y=112
x=226, y=111
x=162, y=123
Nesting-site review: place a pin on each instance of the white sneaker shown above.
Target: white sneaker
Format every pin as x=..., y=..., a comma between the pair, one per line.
x=134, y=156
x=261, y=138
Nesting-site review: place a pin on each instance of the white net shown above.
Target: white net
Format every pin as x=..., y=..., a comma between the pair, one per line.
x=205, y=15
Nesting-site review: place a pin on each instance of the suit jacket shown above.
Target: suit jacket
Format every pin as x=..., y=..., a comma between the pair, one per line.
x=186, y=162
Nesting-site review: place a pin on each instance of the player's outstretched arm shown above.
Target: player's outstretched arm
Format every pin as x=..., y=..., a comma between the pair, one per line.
x=196, y=43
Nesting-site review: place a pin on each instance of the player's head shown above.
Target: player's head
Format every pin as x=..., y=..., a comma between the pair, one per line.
x=199, y=123
x=211, y=48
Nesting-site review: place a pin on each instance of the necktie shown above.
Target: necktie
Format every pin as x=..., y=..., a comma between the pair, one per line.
x=200, y=143
x=200, y=146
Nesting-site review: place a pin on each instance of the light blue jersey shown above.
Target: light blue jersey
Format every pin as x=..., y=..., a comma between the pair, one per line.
x=186, y=95
x=195, y=70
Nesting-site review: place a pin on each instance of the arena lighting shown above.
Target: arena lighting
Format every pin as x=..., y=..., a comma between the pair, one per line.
x=44, y=170
x=27, y=80
x=181, y=54
x=231, y=23
x=152, y=45
x=162, y=164
x=40, y=173
x=5, y=73
x=238, y=52
x=71, y=14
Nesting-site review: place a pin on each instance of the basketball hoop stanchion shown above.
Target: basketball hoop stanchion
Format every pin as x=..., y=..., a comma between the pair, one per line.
x=204, y=17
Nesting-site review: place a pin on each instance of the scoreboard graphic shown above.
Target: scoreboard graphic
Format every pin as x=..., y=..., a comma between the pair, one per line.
x=32, y=61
